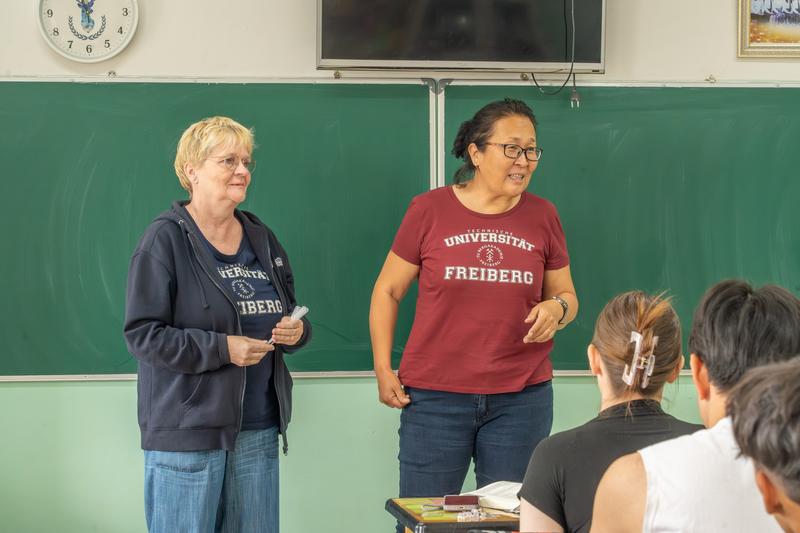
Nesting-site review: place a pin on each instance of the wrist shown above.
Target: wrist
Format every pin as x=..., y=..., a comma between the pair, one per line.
x=562, y=308
x=383, y=369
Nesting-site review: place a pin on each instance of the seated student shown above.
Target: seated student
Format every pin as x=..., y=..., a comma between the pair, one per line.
x=635, y=350
x=699, y=482
x=765, y=410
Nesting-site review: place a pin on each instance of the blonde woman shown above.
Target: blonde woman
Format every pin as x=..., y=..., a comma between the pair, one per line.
x=209, y=294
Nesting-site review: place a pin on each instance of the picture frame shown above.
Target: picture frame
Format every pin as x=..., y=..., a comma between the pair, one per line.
x=769, y=28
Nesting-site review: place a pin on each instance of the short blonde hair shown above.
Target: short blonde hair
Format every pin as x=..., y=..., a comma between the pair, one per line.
x=202, y=137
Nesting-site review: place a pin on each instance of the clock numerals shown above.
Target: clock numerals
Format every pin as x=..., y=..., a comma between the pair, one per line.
x=88, y=35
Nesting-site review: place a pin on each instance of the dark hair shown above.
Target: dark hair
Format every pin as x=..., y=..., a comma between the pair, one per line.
x=736, y=328
x=480, y=128
x=765, y=408
x=651, y=316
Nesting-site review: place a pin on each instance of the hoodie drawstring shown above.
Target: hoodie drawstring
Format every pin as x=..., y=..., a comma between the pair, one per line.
x=189, y=252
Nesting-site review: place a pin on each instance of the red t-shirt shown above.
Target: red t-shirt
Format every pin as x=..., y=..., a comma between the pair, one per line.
x=480, y=275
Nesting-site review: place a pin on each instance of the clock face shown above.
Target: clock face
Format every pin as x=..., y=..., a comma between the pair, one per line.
x=88, y=30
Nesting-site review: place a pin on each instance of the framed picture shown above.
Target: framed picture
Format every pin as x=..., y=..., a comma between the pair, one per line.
x=769, y=28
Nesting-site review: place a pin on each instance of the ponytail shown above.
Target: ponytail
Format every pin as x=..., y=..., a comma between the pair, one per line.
x=460, y=145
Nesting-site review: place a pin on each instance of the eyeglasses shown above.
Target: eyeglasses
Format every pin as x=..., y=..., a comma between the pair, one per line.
x=231, y=163
x=513, y=151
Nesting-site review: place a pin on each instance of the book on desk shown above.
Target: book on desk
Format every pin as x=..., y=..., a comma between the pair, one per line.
x=425, y=515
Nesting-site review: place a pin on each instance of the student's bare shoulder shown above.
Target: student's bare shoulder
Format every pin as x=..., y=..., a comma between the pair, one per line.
x=626, y=469
x=620, y=499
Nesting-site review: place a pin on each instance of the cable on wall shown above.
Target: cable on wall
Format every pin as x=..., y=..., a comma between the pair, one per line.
x=574, y=97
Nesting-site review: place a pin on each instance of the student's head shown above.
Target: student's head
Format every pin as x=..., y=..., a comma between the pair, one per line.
x=208, y=137
x=612, y=349
x=484, y=144
x=765, y=408
x=736, y=328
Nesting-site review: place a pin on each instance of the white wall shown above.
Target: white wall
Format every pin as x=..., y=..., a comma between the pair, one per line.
x=647, y=41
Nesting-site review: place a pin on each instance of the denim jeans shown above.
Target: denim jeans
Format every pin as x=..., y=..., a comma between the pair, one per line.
x=214, y=490
x=440, y=432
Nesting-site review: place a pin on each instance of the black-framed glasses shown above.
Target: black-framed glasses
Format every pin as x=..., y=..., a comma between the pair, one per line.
x=513, y=151
x=231, y=163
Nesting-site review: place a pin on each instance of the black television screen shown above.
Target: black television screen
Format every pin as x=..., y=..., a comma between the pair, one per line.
x=515, y=35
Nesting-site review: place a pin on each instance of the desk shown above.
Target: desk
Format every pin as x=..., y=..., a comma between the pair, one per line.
x=411, y=513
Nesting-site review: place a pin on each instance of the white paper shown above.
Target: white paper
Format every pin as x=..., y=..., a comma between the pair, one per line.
x=499, y=495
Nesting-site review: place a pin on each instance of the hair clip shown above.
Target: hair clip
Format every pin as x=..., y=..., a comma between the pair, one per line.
x=640, y=362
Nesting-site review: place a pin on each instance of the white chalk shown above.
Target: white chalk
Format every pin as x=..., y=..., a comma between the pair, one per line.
x=298, y=313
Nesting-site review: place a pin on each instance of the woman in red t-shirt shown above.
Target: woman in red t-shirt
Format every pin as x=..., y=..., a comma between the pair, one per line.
x=494, y=288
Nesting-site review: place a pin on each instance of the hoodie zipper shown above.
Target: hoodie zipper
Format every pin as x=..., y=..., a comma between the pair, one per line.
x=278, y=283
x=284, y=302
x=238, y=322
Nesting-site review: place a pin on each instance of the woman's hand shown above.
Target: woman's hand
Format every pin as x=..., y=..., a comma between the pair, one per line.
x=390, y=288
x=287, y=331
x=245, y=351
x=544, y=317
x=390, y=390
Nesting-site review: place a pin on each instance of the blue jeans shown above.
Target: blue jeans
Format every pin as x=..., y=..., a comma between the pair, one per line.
x=440, y=432
x=214, y=490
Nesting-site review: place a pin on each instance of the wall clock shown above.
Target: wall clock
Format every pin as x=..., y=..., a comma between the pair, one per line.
x=88, y=30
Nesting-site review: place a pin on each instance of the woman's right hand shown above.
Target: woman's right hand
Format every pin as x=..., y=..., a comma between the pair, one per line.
x=245, y=351
x=390, y=390
x=391, y=286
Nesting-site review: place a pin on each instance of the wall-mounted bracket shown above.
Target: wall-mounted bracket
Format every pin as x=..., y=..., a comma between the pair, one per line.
x=437, y=86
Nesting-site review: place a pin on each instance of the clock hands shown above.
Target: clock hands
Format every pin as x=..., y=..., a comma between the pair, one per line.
x=87, y=7
x=87, y=22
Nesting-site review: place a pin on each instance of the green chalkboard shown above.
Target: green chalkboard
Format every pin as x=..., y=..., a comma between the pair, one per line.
x=86, y=167
x=662, y=188
x=658, y=188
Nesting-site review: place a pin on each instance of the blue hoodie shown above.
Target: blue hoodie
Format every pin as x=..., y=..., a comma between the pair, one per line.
x=178, y=315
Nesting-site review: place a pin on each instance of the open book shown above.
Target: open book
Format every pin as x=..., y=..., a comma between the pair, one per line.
x=499, y=495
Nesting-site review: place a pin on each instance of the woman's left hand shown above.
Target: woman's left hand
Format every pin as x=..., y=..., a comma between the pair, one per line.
x=544, y=317
x=287, y=332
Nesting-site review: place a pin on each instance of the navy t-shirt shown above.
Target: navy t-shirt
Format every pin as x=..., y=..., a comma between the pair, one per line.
x=259, y=309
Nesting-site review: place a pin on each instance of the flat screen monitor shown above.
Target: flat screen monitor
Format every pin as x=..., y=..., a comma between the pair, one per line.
x=489, y=35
